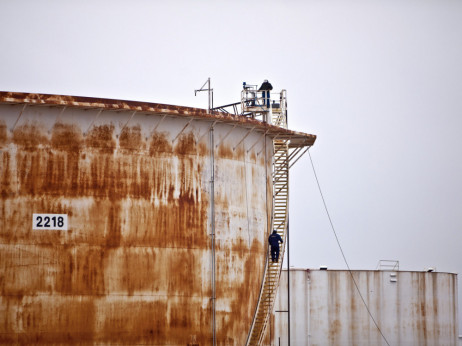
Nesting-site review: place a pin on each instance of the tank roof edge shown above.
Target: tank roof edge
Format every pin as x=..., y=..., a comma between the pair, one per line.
x=368, y=270
x=8, y=97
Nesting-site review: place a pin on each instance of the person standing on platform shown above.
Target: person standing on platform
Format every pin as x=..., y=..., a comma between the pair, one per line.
x=266, y=87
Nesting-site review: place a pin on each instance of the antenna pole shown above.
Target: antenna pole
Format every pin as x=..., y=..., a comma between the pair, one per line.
x=210, y=93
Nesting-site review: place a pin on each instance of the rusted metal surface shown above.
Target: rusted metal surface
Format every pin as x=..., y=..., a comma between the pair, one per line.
x=135, y=264
x=411, y=308
x=151, y=108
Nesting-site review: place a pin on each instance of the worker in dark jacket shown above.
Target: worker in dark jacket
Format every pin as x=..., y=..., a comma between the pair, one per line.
x=274, y=240
x=266, y=87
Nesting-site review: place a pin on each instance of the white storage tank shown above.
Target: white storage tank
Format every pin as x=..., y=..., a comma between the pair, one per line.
x=107, y=210
x=411, y=308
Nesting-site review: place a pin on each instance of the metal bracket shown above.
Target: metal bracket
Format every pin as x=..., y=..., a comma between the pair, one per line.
x=19, y=116
x=184, y=128
x=298, y=158
x=287, y=160
x=58, y=118
x=207, y=132
x=123, y=127
x=96, y=117
x=263, y=135
x=221, y=141
x=157, y=125
x=248, y=133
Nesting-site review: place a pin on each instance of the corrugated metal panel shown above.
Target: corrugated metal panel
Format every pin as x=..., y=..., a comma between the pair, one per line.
x=135, y=264
x=417, y=309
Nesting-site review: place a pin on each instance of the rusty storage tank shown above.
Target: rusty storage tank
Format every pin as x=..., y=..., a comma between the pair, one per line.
x=106, y=219
x=411, y=308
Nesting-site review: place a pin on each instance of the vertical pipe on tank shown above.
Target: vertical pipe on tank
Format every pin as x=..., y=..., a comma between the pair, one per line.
x=308, y=313
x=288, y=281
x=212, y=207
x=210, y=95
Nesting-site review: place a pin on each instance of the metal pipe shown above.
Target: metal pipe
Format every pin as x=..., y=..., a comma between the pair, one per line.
x=223, y=106
x=309, y=312
x=206, y=132
x=209, y=92
x=212, y=208
x=288, y=281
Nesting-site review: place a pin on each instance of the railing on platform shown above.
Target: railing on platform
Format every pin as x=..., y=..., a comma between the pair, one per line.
x=260, y=105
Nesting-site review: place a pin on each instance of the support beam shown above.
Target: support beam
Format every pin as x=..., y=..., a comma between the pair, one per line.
x=123, y=127
x=19, y=116
x=182, y=130
x=262, y=136
x=91, y=125
x=248, y=133
x=227, y=134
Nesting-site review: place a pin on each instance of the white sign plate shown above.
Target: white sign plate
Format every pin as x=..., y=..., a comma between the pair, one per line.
x=49, y=221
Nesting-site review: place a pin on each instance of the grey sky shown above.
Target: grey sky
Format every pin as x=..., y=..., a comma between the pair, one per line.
x=379, y=82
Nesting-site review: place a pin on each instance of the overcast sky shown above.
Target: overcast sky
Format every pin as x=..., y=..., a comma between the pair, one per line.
x=379, y=83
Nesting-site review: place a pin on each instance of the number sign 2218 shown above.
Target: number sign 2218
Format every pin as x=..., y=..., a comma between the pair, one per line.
x=49, y=221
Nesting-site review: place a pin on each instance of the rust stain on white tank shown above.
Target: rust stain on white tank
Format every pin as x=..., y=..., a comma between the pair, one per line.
x=410, y=308
x=134, y=266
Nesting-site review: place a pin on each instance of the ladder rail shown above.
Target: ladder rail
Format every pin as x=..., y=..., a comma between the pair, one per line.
x=272, y=271
x=280, y=224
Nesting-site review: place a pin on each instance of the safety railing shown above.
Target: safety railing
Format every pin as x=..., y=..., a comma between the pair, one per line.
x=272, y=270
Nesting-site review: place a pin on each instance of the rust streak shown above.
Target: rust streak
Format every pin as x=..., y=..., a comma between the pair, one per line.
x=134, y=265
x=144, y=107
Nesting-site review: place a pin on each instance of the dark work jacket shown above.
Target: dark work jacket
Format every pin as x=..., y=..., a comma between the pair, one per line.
x=274, y=239
x=266, y=86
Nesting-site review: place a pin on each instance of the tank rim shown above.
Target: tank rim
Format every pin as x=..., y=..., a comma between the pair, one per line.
x=300, y=139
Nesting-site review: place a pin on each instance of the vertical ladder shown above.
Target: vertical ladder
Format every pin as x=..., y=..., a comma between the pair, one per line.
x=280, y=207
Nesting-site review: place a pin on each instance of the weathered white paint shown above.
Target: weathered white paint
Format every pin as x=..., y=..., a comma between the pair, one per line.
x=419, y=308
x=135, y=265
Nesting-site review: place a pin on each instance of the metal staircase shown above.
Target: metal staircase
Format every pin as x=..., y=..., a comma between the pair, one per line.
x=280, y=208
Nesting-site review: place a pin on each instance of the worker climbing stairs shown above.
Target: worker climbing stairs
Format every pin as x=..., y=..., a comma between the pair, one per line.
x=288, y=146
x=280, y=210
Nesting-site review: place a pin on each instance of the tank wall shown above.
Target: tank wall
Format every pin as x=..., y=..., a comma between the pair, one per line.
x=243, y=198
x=418, y=309
x=135, y=264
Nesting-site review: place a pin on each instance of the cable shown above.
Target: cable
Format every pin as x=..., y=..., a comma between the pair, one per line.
x=341, y=250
